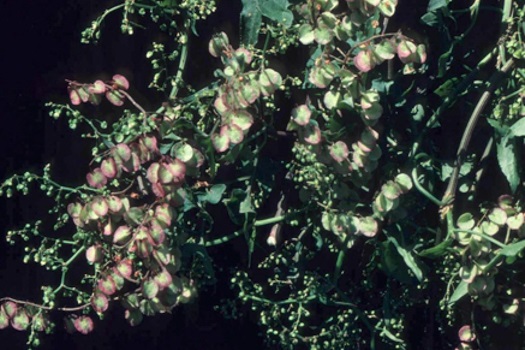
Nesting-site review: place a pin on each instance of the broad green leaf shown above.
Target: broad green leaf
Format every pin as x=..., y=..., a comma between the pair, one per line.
x=518, y=128
x=408, y=258
x=251, y=21
x=213, y=195
x=508, y=162
x=246, y=206
x=460, y=291
x=277, y=10
x=512, y=250
x=437, y=4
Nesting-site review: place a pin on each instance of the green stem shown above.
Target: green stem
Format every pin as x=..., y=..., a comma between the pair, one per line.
x=422, y=190
x=482, y=235
x=182, y=63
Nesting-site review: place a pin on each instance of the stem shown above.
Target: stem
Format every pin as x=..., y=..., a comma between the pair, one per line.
x=422, y=190
x=467, y=134
x=482, y=235
x=182, y=64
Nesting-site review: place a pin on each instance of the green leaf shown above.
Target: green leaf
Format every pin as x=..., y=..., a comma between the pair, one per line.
x=508, y=162
x=512, y=250
x=436, y=4
x=518, y=128
x=251, y=21
x=408, y=258
x=277, y=10
x=133, y=316
x=213, y=195
x=246, y=206
x=460, y=291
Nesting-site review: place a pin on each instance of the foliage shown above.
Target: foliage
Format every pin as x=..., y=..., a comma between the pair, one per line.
x=345, y=240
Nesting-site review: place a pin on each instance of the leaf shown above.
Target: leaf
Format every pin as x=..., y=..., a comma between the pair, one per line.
x=508, y=162
x=246, y=205
x=436, y=4
x=251, y=21
x=213, y=195
x=408, y=258
x=254, y=10
x=277, y=10
x=133, y=316
x=518, y=128
x=512, y=250
x=460, y=291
